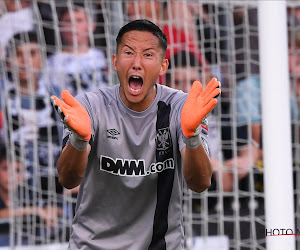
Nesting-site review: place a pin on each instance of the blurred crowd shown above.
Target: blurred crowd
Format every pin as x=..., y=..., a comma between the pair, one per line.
x=48, y=46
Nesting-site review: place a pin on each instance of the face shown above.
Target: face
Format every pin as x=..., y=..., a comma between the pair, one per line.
x=184, y=77
x=143, y=9
x=138, y=62
x=12, y=6
x=74, y=28
x=27, y=61
x=294, y=69
x=5, y=174
x=294, y=62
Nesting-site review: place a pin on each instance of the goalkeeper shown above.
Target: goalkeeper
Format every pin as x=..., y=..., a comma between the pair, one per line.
x=131, y=146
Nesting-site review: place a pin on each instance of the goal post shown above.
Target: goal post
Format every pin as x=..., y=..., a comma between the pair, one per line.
x=275, y=95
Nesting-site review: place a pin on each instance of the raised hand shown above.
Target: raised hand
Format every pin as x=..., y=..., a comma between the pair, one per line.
x=198, y=104
x=73, y=114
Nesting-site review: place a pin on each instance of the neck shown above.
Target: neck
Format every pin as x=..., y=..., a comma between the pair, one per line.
x=76, y=50
x=26, y=88
x=143, y=104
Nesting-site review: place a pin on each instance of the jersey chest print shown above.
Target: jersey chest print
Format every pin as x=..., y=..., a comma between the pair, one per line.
x=138, y=167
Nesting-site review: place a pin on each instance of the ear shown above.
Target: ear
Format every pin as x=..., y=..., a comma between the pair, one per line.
x=114, y=61
x=164, y=67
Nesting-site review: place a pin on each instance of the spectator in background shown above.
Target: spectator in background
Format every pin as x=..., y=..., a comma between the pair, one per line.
x=1, y=125
x=144, y=9
x=184, y=69
x=246, y=41
x=48, y=14
x=17, y=16
x=249, y=115
x=181, y=33
x=245, y=65
x=78, y=67
x=248, y=93
x=29, y=119
x=23, y=16
x=294, y=68
x=99, y=33
x=293, y=16
x=12, y=179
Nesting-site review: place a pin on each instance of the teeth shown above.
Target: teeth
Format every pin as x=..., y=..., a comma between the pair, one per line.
x=136, y=77
x=135, y=90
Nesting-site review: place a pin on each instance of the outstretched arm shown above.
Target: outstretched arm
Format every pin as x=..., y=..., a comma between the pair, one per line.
x=197, y=168
x=71, y=166
x=73, y=160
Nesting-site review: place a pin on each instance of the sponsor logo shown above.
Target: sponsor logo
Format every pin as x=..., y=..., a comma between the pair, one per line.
x=131, y=167
x=112, y=133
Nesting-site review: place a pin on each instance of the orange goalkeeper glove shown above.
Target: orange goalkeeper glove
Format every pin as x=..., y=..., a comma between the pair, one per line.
x=75, y=117
x=197, y=106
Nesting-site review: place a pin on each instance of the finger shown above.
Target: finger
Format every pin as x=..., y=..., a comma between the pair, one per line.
x=69, y=99
x=213, y=84
x=217, y=95
x=213, y=87
x=211, y=105
x=219, y=86
x=216, y=92
x=195, y=90
x=60, y=107
x=57, y=102
x=211, y=95
x=61, y=114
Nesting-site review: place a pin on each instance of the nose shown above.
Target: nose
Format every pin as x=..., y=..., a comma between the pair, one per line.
x=22, y=59
x=137, y=62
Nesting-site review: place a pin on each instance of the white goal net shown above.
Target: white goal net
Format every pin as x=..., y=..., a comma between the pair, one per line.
x=48, y=45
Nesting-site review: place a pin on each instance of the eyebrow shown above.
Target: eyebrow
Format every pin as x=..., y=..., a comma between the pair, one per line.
x=143, y=50
x=128, y=46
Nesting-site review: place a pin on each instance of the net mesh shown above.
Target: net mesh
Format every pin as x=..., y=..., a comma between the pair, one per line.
x=73, y=43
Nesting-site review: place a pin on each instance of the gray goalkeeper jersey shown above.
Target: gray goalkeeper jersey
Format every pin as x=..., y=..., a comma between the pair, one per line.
x=131, y=194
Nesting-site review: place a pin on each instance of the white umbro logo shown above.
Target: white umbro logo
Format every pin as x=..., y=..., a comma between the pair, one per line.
x=112, y=133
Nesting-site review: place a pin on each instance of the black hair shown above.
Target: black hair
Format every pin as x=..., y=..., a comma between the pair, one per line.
x=4, y=152
x=144, y=25
x=184, y=59
x=65, y=9
x=20, y=39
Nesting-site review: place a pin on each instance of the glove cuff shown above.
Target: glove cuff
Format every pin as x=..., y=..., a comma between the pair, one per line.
x=195, y=140
x=77, y=142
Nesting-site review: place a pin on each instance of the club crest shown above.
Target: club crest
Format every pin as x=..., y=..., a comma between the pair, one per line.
x=163, y=139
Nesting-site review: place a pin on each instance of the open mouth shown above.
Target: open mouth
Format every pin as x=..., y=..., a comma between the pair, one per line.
x=135, y=84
